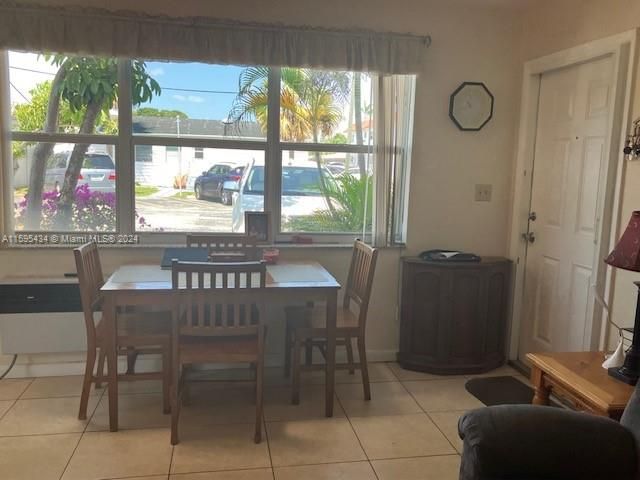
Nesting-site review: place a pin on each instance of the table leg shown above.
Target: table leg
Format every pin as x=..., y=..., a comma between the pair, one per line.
x=541, y=395
x=332, y=312
x=109, y=315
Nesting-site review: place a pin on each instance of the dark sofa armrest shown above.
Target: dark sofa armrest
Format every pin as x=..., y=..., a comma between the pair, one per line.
x=532, y=442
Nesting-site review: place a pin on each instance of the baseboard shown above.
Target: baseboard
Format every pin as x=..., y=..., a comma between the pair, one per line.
x=152, y=363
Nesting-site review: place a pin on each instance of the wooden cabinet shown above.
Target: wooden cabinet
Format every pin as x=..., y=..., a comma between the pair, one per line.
x=454, y=315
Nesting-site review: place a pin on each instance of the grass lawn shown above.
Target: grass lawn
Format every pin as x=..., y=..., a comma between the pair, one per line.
x=145, y=190
x=184, y=194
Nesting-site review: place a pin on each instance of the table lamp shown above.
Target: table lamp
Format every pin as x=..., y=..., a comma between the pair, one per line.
x=626, y=255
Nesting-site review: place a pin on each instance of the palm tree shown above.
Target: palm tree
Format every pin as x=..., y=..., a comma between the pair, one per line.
x=310, y=105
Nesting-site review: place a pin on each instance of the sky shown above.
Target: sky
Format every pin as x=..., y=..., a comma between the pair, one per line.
x=202, y=91
x=27, y=70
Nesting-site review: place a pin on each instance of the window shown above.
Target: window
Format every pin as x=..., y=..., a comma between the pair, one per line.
x=77, y=140
x=209, y=143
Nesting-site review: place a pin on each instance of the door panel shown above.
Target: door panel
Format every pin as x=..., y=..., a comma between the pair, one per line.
x=571, y=141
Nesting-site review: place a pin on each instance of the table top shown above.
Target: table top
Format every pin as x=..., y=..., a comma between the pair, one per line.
x=303, y=274
x=582, y=372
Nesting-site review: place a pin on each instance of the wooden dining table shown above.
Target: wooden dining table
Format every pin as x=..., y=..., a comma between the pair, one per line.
x=150, y=285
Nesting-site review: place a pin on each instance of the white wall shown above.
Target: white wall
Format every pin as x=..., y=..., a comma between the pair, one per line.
x=472, y=41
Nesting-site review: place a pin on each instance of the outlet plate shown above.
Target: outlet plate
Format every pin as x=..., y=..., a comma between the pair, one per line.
x=483, y=192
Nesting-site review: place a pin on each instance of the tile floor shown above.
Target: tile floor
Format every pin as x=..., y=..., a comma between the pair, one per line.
x=408, y=431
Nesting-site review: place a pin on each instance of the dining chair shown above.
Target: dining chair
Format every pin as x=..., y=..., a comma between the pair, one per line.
x=306, y=325
x=137, y=332
x=226, y=248
x=218, y=317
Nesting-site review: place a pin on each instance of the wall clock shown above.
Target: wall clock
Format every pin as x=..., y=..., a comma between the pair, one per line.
x=471, y=106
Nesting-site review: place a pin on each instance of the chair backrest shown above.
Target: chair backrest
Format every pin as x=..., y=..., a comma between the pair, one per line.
x=227, y=247
x=218, y=299
x=631, y=416
x=91, y=279
x=360, y=279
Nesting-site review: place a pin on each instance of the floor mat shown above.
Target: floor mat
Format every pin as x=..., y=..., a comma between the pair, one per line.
x=499, y=390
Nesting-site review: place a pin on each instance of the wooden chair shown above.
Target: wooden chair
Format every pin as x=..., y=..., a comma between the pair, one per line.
x=226, y=248
x=138, y=333
x=218, y=318
x=306, y=326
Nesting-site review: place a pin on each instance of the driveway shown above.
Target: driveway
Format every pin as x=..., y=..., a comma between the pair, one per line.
x=185, y=214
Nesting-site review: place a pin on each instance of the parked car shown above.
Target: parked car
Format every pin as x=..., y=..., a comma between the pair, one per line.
x=301, y=194
x=98, y=171
x=210, y=184
x=228, y=188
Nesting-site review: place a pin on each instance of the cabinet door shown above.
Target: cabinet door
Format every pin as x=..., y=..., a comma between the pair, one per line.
x=497, y=301
x=423, y=307
x=467, y=317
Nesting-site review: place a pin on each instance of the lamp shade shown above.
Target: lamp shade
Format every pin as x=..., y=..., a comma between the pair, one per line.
x=626, y=255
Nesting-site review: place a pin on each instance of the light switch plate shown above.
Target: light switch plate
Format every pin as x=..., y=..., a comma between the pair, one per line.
x=483, y=192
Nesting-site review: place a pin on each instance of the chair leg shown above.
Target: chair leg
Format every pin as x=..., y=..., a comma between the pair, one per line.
x=166, y=379
x=100, y=370
x=287, y=351
x=295, y=383
x=176, y=382
x=364, y=367
x=308, y=352
x=185, y=395
x=132, y=356
x=259, y=399
x=349, y=346
x=86, y=383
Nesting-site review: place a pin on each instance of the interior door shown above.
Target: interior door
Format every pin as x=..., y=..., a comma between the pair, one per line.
x=571, y=147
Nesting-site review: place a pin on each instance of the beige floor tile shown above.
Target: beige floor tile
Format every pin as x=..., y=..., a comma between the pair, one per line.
x=447, y=422
x=127, y=453
x=215, y=404
x=313, y=441
x=410, y=375
x=443, y=395
x=278, y=405
x=218, y=447
x=12, y=388
x=330, y=471
x=5, y=405
x=388, y=398
x=378, y=372
x=253, y=474
x=425, y=468
x=134, y=411
x=49, y=387
x=45, y=416
x=499, y=372
x=36, y=457
x=400, y=436
x=140, y=386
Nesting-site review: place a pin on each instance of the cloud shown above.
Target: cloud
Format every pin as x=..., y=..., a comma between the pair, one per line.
x=188, y=98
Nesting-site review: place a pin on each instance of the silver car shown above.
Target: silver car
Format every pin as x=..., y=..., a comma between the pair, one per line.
x=98, y=171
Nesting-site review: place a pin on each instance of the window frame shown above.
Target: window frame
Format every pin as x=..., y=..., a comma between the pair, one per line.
x=125, y=142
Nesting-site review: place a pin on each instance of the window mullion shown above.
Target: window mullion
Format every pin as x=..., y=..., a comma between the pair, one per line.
x=125, y=206
x=273, y=164
x=6, y=180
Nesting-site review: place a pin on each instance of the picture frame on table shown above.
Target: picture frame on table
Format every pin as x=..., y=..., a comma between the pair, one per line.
x=258, y=224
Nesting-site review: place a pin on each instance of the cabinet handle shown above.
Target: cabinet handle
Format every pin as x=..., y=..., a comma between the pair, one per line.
x=31, y=297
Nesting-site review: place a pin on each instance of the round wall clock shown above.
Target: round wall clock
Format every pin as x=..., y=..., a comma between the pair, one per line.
x=471, y=106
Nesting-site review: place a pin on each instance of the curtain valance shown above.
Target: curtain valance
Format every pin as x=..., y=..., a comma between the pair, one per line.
x=91, y=31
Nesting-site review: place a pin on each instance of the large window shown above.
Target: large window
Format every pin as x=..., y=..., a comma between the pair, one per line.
x=155, y=148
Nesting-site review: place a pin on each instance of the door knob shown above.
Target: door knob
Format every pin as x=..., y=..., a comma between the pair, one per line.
x=529, y=237
x=532, y=217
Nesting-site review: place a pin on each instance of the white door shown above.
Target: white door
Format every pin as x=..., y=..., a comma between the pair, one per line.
x=570, y=159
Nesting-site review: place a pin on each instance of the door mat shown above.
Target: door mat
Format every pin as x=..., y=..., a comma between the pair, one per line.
x=505, y=390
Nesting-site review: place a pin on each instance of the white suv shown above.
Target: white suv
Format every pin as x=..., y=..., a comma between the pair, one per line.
x=301, y=194
x=98, y=171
